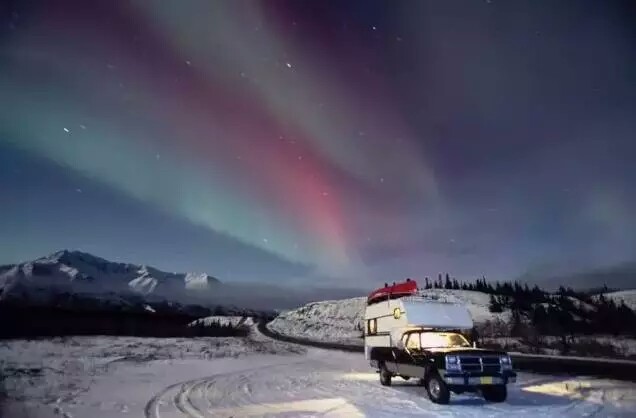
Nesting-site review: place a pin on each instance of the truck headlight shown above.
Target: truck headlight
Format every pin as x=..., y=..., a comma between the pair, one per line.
x=452, y=363
x=506, y=362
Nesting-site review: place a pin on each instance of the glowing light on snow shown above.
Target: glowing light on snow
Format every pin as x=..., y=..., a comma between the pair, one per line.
x=337, y=407
x=574, y=389
x=366, y=377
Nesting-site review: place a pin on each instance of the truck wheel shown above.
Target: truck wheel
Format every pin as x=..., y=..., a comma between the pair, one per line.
x=496, y=393
x=385, y=376
x=437, y=390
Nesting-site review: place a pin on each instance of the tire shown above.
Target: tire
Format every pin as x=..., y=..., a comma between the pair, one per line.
x=437, y=390
x=497, y=393
x=385, y=375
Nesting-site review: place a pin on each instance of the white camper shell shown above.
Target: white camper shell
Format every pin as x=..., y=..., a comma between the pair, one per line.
x=386, y=321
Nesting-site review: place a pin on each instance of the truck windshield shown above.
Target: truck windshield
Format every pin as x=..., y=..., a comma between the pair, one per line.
x=423, y=340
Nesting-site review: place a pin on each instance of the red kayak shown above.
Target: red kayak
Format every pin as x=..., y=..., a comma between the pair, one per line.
x=407, y=288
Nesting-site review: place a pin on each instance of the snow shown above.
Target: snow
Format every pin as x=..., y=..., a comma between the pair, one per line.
x=627, y=296
x=90, y=376
x=79, y=272
x=579, y=304
x=115, y=377
x=340, y=321
x=233, y=321
x=337, y=321
x=197, y=281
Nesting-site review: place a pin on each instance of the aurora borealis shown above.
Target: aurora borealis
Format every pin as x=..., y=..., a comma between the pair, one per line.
x=343, y=141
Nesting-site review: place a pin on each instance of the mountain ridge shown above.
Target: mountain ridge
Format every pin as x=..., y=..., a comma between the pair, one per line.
x=79, y=272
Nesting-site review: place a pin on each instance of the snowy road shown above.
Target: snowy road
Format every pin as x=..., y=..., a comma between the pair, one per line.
x=334, y=384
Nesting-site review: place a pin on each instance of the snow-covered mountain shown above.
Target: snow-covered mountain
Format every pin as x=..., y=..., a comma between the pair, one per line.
x=340, y=321
x=76, y=272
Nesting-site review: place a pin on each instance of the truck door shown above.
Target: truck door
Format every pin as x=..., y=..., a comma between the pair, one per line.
x=405, y=364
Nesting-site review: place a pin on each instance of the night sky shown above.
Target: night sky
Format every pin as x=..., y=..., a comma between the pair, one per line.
x=340, y=143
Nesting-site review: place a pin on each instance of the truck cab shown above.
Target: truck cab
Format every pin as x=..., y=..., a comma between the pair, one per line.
x=412, y=337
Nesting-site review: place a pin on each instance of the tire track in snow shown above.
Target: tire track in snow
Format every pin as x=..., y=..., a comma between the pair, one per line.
x=183, y=389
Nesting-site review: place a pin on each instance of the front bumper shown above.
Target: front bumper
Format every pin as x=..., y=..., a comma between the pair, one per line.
x=479, y=379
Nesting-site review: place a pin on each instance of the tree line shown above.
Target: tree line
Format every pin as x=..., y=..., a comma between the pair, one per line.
x=566, y=311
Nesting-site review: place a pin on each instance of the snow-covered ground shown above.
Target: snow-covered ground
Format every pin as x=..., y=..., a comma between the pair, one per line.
x=340, y=321
x=627, y=296
x=337, y=384
x=118, y=377
x=233, y=321
x=55, y=376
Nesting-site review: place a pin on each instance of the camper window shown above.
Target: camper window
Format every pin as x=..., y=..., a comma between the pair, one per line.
x=372, y=326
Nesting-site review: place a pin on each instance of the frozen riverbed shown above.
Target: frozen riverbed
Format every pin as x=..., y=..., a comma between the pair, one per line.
x=281, y=380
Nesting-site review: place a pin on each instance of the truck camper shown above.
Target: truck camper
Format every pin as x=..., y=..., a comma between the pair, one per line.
x=410, y=336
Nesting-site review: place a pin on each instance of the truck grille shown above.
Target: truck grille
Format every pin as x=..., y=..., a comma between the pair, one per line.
x=480, y=364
